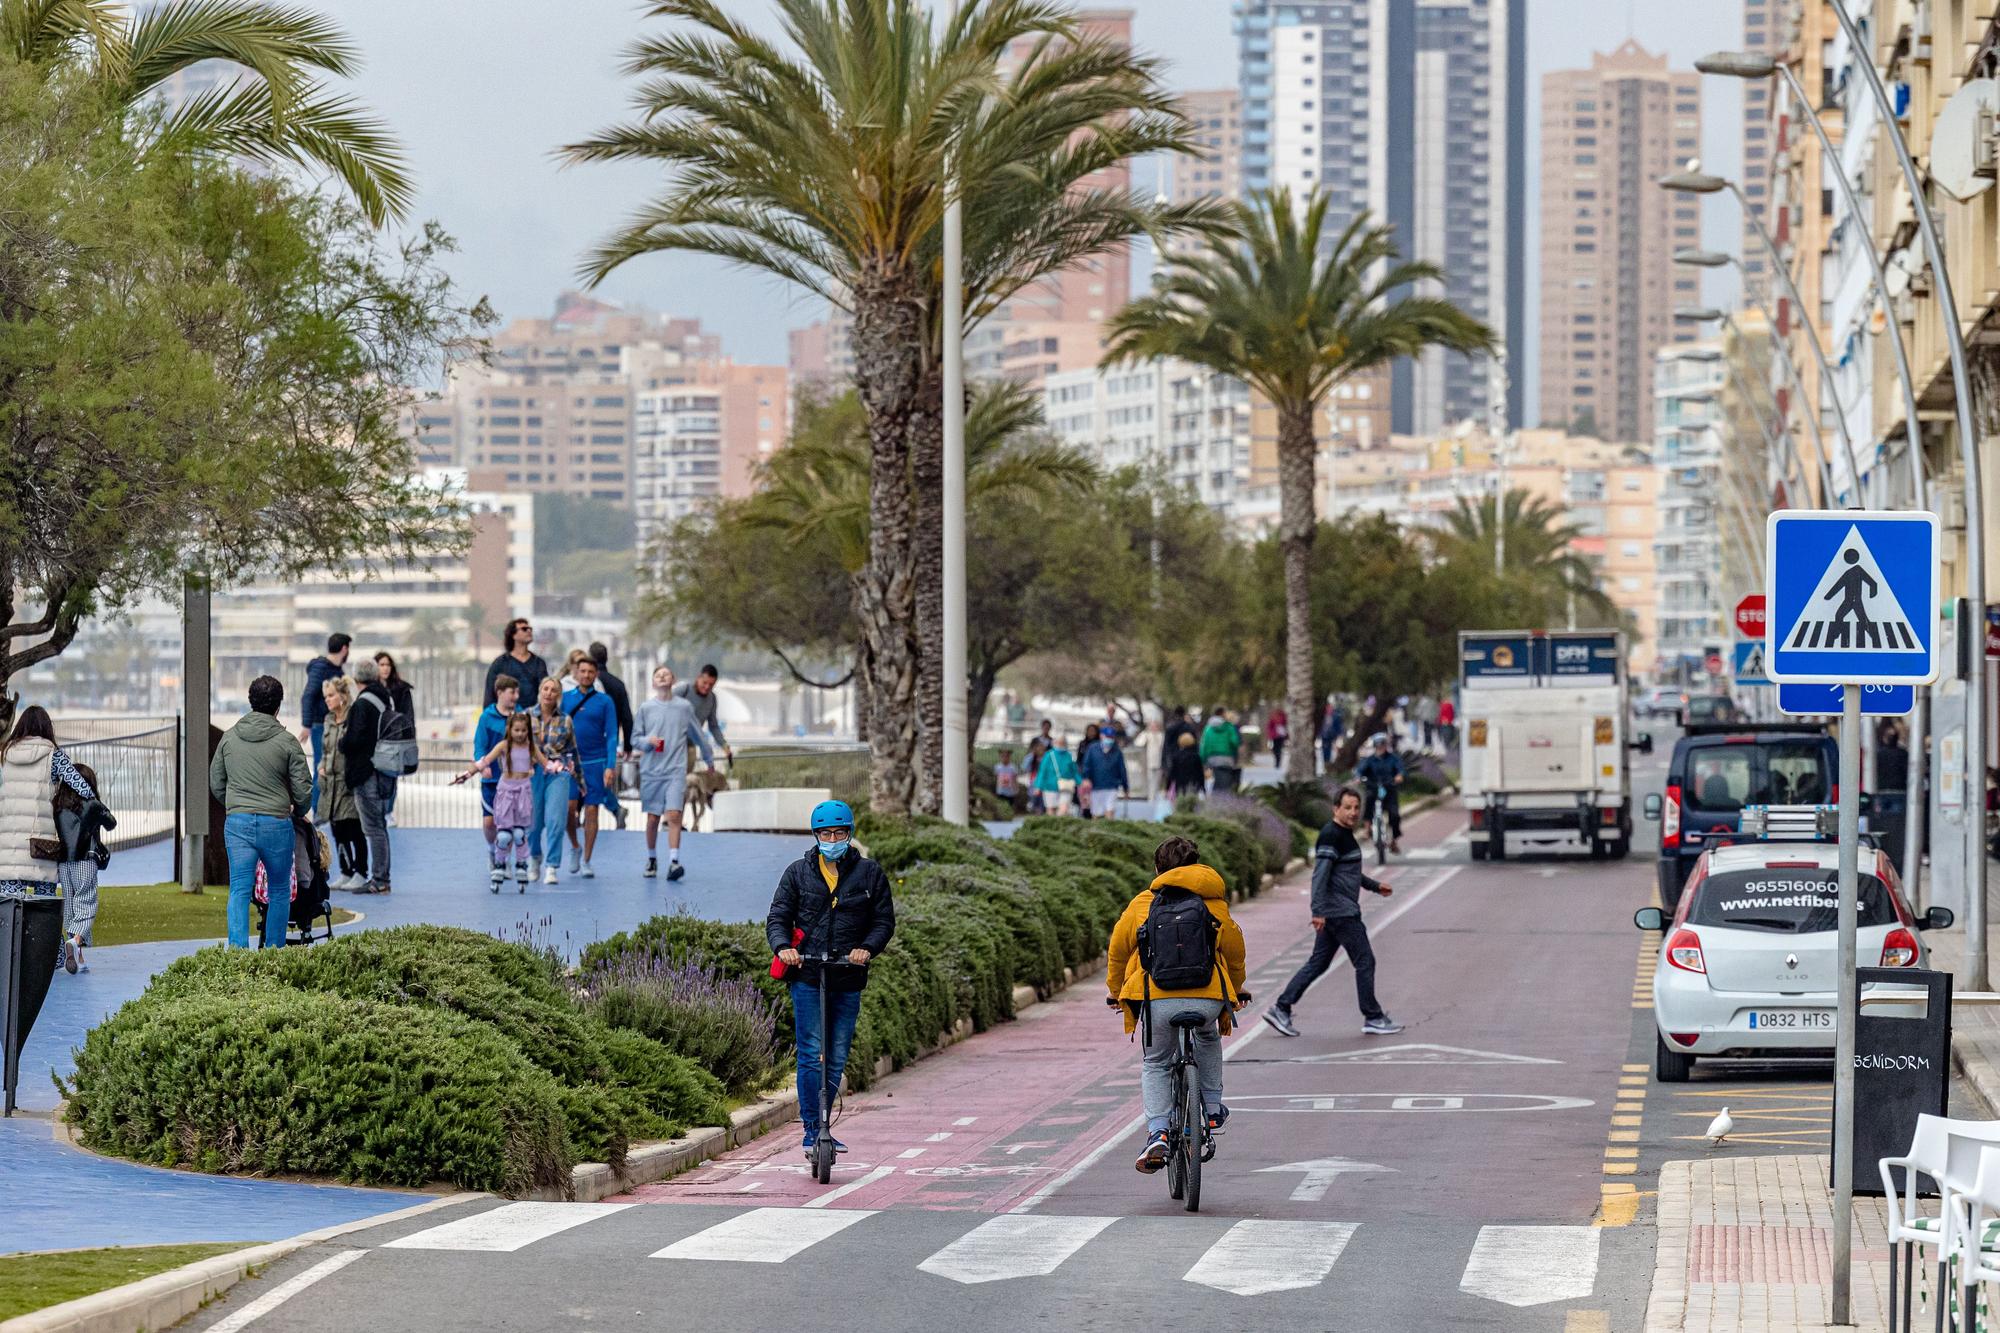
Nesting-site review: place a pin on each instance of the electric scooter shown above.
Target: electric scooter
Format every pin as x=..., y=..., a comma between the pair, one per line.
x=823, y=1151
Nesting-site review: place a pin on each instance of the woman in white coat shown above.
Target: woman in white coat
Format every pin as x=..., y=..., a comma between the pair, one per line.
x=31, y=765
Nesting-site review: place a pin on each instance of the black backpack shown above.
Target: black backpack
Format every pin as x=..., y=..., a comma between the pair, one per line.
x=1177, y=943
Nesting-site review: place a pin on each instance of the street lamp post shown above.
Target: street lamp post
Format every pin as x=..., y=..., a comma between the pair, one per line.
x=1709, y=314
x=1745, y=65
x=1692, y=181
x=955, y=803
x=1975, y=537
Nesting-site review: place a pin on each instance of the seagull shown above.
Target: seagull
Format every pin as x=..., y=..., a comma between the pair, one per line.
x=1718, y=1128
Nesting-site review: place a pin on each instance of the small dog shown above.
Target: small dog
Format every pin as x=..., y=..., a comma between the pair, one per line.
x=702, y=785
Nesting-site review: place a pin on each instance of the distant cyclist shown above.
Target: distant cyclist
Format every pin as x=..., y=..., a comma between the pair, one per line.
x=832, y=901
x=1382, y=769
x=1337, y=881
x=1183, y=913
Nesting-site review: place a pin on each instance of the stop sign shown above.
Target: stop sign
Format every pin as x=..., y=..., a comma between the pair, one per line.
x=1750, y=616
x=1714, y=664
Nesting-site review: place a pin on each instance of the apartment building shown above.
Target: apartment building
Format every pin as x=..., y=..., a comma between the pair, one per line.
x=1689, y=428
x=1188, y=422
x=1609, y=283
x=700, y=441
x=1768, y=29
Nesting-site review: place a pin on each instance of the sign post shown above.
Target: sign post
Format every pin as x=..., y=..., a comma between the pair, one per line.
x=1852, y=601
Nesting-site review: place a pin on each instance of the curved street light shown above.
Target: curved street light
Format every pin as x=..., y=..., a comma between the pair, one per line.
x=1782, y=355
x=1692, y=181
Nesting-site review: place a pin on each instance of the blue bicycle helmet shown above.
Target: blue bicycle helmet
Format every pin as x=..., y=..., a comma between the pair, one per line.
x=832, y=814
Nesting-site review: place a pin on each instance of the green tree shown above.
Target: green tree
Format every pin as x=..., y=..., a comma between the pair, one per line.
x=199, y=372
x=1294, y=310
x=1544, y=578
x=278, y=114
x=829, y=163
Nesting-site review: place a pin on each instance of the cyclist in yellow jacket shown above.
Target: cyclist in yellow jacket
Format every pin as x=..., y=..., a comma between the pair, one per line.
x=1177, y=861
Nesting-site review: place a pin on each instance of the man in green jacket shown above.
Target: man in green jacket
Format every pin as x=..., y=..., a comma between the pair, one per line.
x=260, y=775
x=1220, y=744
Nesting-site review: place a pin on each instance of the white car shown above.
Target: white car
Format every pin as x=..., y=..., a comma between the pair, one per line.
x=1747, y=962
x=1660, y=701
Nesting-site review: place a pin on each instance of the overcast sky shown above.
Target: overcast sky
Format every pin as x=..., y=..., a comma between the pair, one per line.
x=482, y=92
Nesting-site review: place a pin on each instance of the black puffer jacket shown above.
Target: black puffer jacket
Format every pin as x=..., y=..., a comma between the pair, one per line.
x=859, y=914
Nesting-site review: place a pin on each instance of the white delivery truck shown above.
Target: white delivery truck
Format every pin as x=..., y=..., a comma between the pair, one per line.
x=1542, y=727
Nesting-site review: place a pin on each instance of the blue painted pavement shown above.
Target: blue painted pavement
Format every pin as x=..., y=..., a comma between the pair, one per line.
x=76, y=1199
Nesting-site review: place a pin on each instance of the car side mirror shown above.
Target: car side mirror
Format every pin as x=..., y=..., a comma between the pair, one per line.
x=1650, y=918
x=1652, y=806
x=1643, y=742
x=1939, y=918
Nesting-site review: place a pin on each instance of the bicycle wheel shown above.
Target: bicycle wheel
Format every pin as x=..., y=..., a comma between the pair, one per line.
x=1195, y=1117
x=1381, y=832
x=1176, y=1132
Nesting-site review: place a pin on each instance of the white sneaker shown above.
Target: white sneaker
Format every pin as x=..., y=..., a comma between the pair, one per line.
x=587, y=872
x=549, y=876
x=534, y=867
x=575, y=859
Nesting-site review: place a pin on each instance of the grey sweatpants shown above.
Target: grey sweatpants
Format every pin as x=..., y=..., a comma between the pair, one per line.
x=79, y=897
x=1155, y=1084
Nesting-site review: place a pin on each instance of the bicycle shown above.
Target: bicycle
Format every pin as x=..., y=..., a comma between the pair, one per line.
x=823, y=1149
x=1190, y=1140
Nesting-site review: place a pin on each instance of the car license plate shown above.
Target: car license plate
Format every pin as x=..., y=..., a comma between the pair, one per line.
x=1821, y=1019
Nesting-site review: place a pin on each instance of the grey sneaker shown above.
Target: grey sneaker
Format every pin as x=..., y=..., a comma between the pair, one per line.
x=72, y=954
x=1280, y=1021
x=652, y=867
x=1380, y=1027
x=575, y=859
x=587, y=872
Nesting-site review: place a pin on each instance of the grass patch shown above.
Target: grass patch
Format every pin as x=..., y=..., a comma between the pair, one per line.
x=30, y=1282
x=142, y=913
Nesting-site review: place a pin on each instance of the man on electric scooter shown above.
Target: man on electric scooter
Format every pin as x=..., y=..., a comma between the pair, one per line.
x=831, y=902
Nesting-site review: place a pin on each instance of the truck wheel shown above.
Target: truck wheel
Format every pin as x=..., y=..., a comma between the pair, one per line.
x=1621, y=848
x=1479, y=851
x=1670, y=1066
x=1598, y=847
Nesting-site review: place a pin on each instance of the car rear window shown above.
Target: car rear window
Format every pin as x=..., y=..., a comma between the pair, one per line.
x=1794, y=774
x=1797, y=901
x=1720, y=778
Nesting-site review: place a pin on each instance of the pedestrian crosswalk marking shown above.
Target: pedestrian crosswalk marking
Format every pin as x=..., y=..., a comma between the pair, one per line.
x=1524, y=1266
x=507, y=1228
x=1852, y=607
x=764, y=1235
x=1014, y=1245
x=1256, y=1258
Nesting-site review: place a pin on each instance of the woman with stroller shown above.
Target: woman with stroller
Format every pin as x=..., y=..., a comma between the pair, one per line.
x=337, y=809
x=261, y=776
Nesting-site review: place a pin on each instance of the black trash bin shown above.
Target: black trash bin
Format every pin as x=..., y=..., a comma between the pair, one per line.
x=12, y=925
x=1902, y=1067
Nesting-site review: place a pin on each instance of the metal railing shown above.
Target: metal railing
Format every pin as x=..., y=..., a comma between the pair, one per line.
x=138, y=778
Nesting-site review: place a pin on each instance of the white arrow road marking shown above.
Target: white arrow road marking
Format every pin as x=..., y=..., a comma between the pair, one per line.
x=1532, y=1265
x=506, y=1228
x=1319, y=1175
x=763, y=1235
x=1014, y=1245
x=1257, y=1258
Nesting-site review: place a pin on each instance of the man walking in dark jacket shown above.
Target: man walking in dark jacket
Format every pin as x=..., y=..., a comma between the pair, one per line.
x=621, y=704
x=1337, y=881
x=832, y=902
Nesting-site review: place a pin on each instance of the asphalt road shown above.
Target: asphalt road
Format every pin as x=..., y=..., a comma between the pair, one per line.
x=1490, y=1167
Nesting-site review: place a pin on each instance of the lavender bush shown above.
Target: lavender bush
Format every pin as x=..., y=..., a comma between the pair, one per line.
x=722, y=1024
x=1266, y=825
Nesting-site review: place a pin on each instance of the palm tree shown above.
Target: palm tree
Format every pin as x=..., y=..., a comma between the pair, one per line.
x=1541, y=557
x=830, y=165
x=281, y=115
x=1293, y=310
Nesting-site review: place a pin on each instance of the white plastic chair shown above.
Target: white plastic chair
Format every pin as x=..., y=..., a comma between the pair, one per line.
x=1977, y=1233
x=1948, y=1151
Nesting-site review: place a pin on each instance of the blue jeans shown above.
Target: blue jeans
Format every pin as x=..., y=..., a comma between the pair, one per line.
x=319, y=752
x=1156, y=1087
x=250, y=839
x=843, y=1011
x=552, y=793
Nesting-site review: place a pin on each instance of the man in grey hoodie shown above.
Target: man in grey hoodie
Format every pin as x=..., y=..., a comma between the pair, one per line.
x=661, y=735
x=1338, y=878
x=260, y=775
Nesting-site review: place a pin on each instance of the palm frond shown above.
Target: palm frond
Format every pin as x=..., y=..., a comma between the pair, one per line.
x=276, y=43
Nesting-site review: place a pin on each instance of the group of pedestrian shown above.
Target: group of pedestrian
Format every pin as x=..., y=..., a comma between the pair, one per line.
x=1055, y=778
x=546, y=780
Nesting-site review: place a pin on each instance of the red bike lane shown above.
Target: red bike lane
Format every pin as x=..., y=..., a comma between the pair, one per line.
x=1003, y=1118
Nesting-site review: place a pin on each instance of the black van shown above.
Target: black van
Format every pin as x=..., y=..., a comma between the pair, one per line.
x=1718, y=769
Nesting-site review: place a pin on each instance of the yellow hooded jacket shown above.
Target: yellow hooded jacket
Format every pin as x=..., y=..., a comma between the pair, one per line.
x=1127, y=980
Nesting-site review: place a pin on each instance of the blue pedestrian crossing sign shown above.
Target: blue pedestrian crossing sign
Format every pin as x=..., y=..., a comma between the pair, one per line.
x=1824, y=700
x=1853, y=597
x=1749, y=661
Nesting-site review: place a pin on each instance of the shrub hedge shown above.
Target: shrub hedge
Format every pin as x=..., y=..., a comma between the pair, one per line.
x=376, y=1057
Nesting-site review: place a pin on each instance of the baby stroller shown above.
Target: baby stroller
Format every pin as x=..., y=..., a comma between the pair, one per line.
x=311, y=898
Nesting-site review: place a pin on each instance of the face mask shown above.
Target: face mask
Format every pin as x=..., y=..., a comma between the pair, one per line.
x=833, y=851
x=1106, y=744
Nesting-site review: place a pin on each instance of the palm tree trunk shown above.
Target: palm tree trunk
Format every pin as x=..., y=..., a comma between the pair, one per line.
x=1296, y=524
x=888, y=374
x=927, y=541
